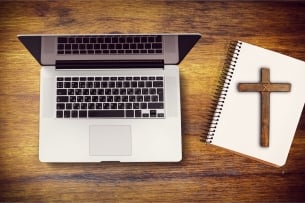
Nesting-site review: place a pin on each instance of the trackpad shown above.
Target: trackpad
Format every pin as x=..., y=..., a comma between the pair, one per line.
x=110, y=140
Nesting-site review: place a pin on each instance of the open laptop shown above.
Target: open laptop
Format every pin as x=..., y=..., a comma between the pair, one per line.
x=110, y=97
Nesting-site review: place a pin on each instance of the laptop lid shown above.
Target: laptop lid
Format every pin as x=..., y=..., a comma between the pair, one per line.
x=127, y=50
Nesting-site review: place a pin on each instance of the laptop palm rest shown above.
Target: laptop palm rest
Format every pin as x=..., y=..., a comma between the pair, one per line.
x=110, y=140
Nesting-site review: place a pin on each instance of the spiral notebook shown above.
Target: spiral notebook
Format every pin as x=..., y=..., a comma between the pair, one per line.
x=236, y=116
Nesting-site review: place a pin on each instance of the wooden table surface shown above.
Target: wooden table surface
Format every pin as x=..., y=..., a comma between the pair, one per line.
x=206, y=173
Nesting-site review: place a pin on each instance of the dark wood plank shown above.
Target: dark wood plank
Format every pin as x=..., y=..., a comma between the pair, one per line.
x=206, y=173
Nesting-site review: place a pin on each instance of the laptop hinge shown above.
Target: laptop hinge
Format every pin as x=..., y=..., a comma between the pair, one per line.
x=108, y=64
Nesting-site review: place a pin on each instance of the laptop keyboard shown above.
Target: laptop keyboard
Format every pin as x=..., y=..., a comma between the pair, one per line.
x=116, y=44
x=110, y=97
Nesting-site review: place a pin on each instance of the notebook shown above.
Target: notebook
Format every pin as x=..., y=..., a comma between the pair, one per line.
x=237, y=119
x=109, y=97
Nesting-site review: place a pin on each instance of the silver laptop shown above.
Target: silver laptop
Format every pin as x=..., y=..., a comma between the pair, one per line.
x=110, y=97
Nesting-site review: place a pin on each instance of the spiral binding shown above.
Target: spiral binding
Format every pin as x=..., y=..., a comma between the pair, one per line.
x=221, y=90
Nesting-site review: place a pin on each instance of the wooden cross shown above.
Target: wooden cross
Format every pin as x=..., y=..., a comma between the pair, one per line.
x=265, y=88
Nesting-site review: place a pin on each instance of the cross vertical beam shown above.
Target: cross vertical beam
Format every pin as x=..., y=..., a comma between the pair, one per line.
x=265, y=87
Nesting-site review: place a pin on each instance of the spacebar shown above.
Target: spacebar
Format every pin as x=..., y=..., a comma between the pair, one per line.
x=106, y=113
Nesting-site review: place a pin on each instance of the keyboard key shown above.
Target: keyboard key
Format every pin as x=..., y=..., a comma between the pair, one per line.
x=109, y=98
x=143, y=105
x=83, y=106
x=67, y=46
x=61, y=92
x=59, y=114
x=76, y=106
x=144, y=91
x=62, y=99
x=141, y=84
x=157, y=45
x=123, y=91
x=91, y=106
x=82, y=114
x=74, y=114
x=78, y=92
x=60, y=46
x=106, y=106
x=154, y=98
x=138, y=113
x=85, y=91
x=79, y=98
x=72, y=99
x=121, y=106
x=67, y=84
x=97, y=84
x=161, y=115
x=111, y=84
x=124, y=98
x=152, y=91
x=129, y=113
x=155, y=105
x=128, y=106
x=153, y=113
x=134, y=84
x=151, y=39
x=78, y=40
x=87, y=98
x=82, y=84
x=102, y=98
x=136, y=106
x=68, y=105
x=126, y=84
x=139, y=98
x=70, y=91
x=71, y=40
x=147, y=98
x=94, y=98
x=89, y=84
x=145, y=115
x=74, y=84
x=158, y=84
x=99, y=105
x=132, y=98
x=113, y=106
x=86, y=40
x=67, y=114
x=62, y=40
x=100, y=91
x=105, y=113
x=158, y=38
x=60, y=84
x=148, y=84
x=92, y=91
x=60, y=106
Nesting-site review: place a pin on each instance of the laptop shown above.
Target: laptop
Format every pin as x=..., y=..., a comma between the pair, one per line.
x=113, y=97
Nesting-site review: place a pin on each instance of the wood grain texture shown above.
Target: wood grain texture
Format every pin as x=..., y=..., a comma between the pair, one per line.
x=206, y=173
